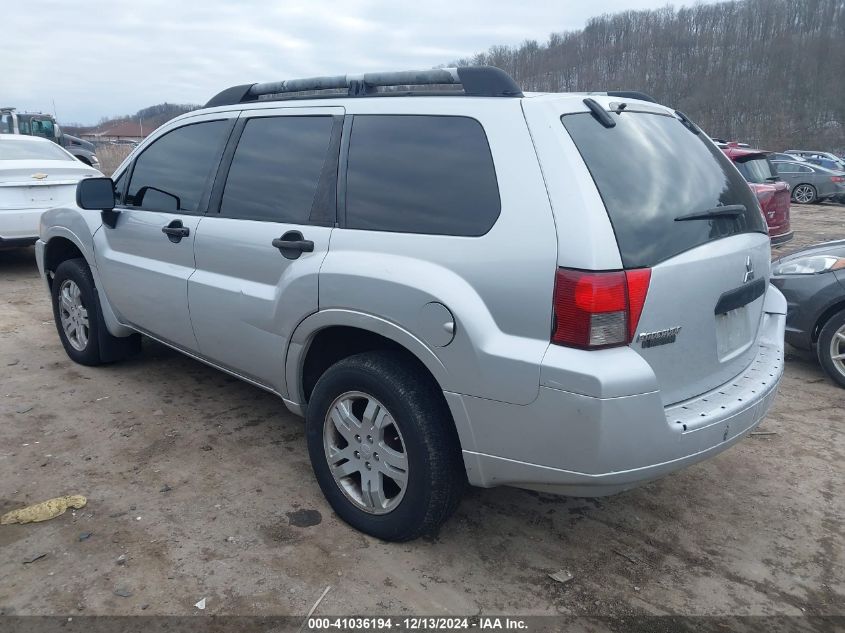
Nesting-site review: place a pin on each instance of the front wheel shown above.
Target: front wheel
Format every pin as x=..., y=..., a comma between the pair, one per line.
x=75, y=311
x=383, y=446
x=804, y=194
x=831, y=348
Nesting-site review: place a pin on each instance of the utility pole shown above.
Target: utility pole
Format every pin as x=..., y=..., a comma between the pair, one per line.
x=141, y=123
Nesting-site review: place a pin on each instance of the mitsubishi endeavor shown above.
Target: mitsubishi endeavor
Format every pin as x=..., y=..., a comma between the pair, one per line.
x=452, y=281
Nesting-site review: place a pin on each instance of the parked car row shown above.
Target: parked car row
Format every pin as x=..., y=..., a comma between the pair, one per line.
x=810, y=176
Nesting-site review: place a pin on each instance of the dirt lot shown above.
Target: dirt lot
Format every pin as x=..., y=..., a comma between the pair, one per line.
x=196, y=478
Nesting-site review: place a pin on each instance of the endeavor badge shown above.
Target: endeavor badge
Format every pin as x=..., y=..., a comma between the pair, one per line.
x=661, y=337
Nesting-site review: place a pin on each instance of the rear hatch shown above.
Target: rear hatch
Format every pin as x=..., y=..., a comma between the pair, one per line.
x=680, y=208
x=772, y=192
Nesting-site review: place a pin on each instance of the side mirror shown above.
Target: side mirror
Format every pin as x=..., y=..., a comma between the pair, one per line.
x=95, y=193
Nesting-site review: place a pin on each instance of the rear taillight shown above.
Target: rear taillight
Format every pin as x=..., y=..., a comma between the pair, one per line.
x=598, y=309
x=837, y=178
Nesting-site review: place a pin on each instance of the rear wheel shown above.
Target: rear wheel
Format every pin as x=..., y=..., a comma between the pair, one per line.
x=804, y=194
x=831, y=348
x=383, y=446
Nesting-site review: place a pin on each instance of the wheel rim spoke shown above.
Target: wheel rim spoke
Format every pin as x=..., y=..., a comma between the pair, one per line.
x=344, y=421
x=372, y=491
x=343, y=463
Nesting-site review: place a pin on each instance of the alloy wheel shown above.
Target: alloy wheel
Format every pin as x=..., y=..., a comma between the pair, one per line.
x=804, y=194
x=74, y=315
x=366, y=452
x=837, y=350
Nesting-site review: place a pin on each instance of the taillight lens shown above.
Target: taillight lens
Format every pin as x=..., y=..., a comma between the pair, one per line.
x=837, y=178
x=598, y=309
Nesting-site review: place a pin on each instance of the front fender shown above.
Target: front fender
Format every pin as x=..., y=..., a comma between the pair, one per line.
x=78, y=226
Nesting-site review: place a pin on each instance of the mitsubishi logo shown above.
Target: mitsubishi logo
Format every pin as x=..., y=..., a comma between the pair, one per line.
x=749, y=270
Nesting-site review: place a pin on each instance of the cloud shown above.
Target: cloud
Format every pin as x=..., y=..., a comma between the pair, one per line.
x=111, y=57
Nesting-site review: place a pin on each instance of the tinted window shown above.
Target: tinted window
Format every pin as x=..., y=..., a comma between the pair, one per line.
x=420, y=174
x=755, y=169
x=649, y=170
x=276, y=168
x=172, y=173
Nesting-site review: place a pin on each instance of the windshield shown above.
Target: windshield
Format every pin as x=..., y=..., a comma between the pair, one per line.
x=650, y=169
x=756, y=169
x=11, y=149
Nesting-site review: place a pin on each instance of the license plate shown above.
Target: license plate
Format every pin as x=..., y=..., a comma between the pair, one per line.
x=733, y=331
x=41, y=194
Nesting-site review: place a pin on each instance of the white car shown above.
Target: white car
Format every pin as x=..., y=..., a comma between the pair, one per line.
x=35, y=175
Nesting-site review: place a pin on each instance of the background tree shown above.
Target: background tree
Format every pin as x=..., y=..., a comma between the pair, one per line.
x=767, y=72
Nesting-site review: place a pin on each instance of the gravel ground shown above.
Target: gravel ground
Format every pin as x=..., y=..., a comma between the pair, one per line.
x=202, y=484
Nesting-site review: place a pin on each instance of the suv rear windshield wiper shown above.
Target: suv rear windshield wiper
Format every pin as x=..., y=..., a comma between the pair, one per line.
x=728, y=210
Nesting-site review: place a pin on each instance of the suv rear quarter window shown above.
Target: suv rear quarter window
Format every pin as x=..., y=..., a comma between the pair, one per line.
x=420, y=174
x=649, y=170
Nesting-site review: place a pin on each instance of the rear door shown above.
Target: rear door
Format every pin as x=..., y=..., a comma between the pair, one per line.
x=259, y=250
x=145, y=260
x=660, y=183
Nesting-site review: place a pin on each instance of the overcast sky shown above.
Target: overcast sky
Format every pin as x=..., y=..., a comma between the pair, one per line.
x=110, y=57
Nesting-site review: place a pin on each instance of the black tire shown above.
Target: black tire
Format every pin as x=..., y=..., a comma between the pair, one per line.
x=101, y=346
x=435, y=475
x=811, y=190
x=834, y=327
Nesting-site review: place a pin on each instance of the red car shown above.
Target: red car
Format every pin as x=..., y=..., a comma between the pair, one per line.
x=772, y=192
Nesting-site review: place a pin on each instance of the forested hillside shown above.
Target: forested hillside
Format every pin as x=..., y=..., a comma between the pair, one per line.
x=769, y=72
x=148, y=119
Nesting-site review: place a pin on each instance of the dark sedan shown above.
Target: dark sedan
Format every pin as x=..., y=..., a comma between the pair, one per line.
x=813, y=282
x=810, y=183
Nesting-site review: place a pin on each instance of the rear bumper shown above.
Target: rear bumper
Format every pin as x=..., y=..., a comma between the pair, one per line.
x=579, y=445
x=19, y=224
x=782, y=237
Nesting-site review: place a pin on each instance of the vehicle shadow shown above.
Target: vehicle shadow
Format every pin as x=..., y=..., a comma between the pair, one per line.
x=18, y=260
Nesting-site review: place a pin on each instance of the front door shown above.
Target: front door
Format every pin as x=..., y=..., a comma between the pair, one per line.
x=260, y=247
x=145, y=260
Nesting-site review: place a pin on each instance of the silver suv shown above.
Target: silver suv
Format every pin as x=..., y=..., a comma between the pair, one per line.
x=458, y=283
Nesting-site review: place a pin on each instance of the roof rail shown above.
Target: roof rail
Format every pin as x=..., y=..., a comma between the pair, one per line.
x=471, y=81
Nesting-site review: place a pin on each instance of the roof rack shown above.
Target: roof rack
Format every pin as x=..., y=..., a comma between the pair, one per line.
x=470, y=81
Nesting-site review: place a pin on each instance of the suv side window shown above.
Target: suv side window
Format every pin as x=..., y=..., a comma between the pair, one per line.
x=420, y=174
x=172, y=174
x=276, y=169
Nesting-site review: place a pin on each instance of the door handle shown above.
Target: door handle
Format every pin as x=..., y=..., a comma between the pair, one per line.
x=292, y=244
x=175, y=231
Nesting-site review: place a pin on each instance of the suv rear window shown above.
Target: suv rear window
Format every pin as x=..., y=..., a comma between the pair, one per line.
x=649, y=170
x=420, y=174
x=756, y=169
